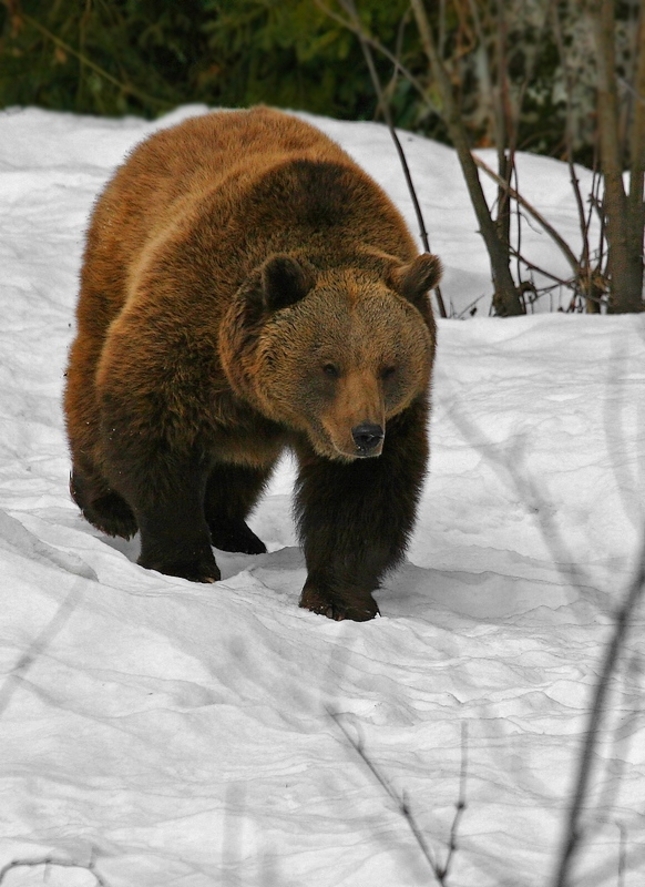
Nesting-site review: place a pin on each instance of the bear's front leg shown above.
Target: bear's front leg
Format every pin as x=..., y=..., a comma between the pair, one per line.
x=175, y=540
x=355, y=518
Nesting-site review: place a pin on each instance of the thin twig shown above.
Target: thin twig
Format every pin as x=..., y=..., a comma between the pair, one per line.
x=350, y=8
x=460, y=806
x=379, y=47
x=398, y=53
x=124, y=87
x=550, y=230
x=470, y=309
x=400, y=800
x=583, y=218
x=630, y=89
x=506, y=296
x=568, y=282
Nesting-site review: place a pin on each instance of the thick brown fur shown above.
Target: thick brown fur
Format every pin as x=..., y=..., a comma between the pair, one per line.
x=246, y=287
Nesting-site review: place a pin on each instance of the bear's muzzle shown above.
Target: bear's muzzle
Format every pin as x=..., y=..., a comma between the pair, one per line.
x=368, y=438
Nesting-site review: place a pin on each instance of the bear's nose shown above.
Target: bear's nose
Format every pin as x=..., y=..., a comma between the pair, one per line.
x=367, y=437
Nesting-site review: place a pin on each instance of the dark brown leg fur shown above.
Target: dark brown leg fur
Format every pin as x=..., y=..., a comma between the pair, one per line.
x=175, y=541
x=175, y=538
x=231, y=493
x=102, y=506
x=355, y=519
x=165, y=490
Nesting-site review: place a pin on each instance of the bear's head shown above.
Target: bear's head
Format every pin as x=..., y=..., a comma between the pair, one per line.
x=332, y=353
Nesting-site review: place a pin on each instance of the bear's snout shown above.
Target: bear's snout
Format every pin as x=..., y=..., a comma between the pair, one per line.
x=368, y=438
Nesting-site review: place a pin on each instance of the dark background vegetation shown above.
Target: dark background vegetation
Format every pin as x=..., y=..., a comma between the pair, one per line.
x=144, y=57
x=565, y=78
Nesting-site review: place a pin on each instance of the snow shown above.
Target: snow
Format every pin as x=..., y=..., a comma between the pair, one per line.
x=162, y=733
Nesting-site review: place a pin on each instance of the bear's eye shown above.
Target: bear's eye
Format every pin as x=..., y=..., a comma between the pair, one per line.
x=387, y=372
x=331, y=370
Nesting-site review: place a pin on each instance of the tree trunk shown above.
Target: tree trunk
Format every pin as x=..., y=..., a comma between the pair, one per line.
x=506, y=297
x=635, y=200
x=623, y=213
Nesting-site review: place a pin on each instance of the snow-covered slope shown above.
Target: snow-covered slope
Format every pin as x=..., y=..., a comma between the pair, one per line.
x=173, y=734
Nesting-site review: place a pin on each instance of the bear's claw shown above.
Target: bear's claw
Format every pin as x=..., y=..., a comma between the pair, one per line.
x=197, y=571
x=333, y=607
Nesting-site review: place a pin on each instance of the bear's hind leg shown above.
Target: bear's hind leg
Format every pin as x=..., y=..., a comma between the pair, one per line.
x=165, y=490
x=231, y=493
x=102, y=506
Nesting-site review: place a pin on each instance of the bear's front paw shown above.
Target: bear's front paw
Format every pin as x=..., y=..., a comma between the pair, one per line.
x=358, y=608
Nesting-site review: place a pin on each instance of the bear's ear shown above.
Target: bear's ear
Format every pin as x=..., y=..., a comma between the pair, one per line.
x=285, y=281
x=413, y=281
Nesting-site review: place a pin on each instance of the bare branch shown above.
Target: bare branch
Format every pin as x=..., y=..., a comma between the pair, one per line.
x=350, y=8
x=583, y=218
x=506, y=297
x=379, y=47
x=85, y=60
x=623, y=212
x=460, y=806
x=400, y=800
x=635, y=202
x=440, y=872
x=550, y=230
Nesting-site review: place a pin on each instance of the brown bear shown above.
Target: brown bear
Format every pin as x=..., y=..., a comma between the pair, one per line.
x=247, y=287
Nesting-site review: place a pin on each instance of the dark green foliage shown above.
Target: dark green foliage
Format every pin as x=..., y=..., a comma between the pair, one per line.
x=146, y=56
x=102, y=57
